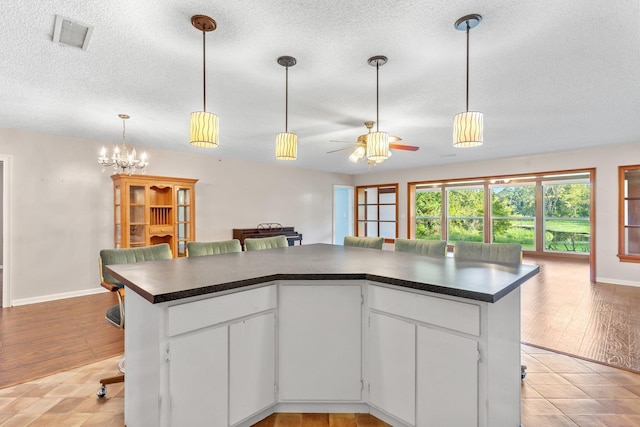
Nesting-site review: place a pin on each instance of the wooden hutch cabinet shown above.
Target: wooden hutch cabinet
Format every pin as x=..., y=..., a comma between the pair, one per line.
x=149, y=210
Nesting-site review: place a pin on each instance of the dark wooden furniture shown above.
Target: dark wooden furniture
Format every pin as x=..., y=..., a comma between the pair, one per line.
x=268, y=230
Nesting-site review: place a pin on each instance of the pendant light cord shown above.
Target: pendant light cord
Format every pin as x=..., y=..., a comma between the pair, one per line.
x=124, y=143
x=467, y=66
x=377, y=97
x=286, y=101
x=204, y=71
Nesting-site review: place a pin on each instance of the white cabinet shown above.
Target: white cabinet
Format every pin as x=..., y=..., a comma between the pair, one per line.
x=252, y=361
x=447, y=379
x=392, y=373
x=198, y=379
x=320, y=342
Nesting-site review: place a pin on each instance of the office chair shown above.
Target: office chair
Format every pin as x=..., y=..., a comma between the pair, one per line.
x=364, y=242
x=115, y=314
x=257, y=244
x=422, y=247
x=213, y=248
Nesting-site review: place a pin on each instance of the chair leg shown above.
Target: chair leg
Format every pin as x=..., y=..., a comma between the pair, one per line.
x=102, y=391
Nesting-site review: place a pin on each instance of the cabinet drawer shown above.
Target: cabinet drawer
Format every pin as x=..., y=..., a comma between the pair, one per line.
x=199, y=314
x=454, y=315
x=161, y=229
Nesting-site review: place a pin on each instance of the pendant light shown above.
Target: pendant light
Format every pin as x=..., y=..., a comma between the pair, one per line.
x=286, y=142
x=204, y=125
x=377, y=142
x=468, y=126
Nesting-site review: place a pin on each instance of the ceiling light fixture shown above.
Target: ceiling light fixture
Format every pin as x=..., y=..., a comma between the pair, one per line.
x=123, y=158
x=377, y=142
x=286, y=142
x=204, y=125
x=468, y=126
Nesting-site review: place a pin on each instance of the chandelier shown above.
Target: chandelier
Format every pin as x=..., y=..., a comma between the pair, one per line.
x=124, y=158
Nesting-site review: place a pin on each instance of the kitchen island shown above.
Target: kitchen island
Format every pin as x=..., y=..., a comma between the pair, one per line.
x=225, y=340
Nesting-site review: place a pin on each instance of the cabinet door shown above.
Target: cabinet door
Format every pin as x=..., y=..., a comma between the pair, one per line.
x=198, y=379
x=447, y=379
x=252, y=365
x=392, y=374
x=320, y=338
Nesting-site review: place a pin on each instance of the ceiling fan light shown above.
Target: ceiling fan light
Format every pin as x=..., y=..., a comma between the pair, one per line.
x=204, y=129
x=377, y=146
x=468, y=129
x=286, y=146
x=357, y=154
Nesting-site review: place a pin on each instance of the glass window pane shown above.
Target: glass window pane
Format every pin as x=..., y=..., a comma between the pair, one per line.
x=388, y=213
x=566, y=223
x=372, y=212
x=428, y=229
x=632, y=237
x=513, y=210
x=181, y=217
x=372, y=195
x=566, y=235
x=372, y=229
x=469, y=230
x=388, y=197
x=515, y=230
x=181, y=231
x=632, y=212
x=466, y=201
x=388, y=230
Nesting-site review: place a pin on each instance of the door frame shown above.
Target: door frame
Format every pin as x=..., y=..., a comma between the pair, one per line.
x=6, y=159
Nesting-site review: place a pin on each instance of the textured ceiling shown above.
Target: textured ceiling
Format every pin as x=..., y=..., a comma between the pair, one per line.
x=548, y=75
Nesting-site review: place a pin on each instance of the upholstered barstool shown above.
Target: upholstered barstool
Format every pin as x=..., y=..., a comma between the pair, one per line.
x=258, y=244
x=213, y=248
x=422, y=247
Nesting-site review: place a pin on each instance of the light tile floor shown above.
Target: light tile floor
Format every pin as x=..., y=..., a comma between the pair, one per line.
x=558, y=391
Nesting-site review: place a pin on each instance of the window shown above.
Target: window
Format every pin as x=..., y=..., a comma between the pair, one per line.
x=429, y=213
x=629, y=213
x=546, y=213
x=465, y=214
x=513, y=214
x=377, y=211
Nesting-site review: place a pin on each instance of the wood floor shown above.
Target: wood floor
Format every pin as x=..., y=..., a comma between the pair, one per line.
x=564, y=312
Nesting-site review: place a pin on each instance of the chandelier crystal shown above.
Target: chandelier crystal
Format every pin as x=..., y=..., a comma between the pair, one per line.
x=123, y=158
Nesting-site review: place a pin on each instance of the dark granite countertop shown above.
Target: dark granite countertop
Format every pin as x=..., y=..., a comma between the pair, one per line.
x=167, y=280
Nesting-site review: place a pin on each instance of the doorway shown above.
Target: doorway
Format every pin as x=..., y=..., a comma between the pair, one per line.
x=342, y=213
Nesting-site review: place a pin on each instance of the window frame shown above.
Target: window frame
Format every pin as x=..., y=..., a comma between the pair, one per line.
x=362, y=189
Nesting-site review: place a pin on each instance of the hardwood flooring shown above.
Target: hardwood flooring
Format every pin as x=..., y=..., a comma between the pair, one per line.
x=564, y=312
x=40, y=339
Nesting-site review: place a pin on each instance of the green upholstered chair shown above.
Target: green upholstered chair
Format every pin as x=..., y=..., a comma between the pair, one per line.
x=257, y=244
x=213, y=248
x=364, y=242
x=503, y=253
x=422, y=247
x=115, y=314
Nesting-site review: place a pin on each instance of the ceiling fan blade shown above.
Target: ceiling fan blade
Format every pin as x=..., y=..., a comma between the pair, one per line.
x=341, y=142
x=341, y=149
x=404, y=147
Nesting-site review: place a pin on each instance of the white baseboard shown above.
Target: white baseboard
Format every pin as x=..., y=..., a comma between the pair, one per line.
x=617, y=281
x=54, y=297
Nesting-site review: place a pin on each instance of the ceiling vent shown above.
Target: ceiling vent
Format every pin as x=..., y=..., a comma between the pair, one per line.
x=72, y=33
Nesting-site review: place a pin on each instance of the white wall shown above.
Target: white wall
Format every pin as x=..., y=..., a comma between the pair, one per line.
x=606, y=161
x=62, y=206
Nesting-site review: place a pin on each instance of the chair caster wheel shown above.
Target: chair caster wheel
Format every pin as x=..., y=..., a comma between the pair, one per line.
x=102, y=392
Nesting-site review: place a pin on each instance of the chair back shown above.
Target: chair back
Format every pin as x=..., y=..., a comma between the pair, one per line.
x=213, y=248
x=503, y=253
x=364, y=242
x=422, y=247
x=129, y=255
x=260, y=243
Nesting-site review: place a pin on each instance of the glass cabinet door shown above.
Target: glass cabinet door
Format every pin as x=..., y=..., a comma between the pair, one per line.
x=137, y=223
x=629, y=213
x=117, y=219
x=183, y=222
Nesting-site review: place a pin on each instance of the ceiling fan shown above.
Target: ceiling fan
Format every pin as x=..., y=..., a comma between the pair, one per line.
x=361, y=144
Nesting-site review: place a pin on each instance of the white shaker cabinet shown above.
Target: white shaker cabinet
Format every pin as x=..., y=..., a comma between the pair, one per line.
x=320, y=342
x=392, y=372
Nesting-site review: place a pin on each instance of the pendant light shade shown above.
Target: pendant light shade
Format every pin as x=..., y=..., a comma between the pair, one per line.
x=467, y=129
x=377, y=142
x=286, y=142
x=204, y=129
x=204, y=126
x=468, y=126
x=286, y=146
